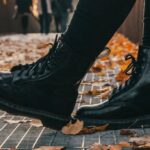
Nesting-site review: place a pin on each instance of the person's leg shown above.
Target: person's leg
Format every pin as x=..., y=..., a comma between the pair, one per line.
x=64, y=19
x=41, y=20
x=57, y=23
x=55, y=79
x=47, y=23
x=128, y=105
x=95, y=22
x=146, y=33
x=25, y=22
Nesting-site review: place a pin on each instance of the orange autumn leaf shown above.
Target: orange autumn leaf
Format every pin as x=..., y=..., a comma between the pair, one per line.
x=95, y=91
x=102, y=73
x=94, y=129
x=41, y=46
x=124, y=144
x=73, y=128
x=119, y=146
x=97, y=67
x=36, y=123
x=122, y=77
x=115, y=147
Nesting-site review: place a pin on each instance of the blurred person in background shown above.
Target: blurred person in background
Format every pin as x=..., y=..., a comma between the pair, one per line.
x=45, y=15
x=23, y=8
x=61, y=10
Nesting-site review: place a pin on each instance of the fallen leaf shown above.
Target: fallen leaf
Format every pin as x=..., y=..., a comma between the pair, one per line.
x=128, y=132
x=140, y=142
x=97, y=146
x=36, y=123
x=146, y=146
x=41, y=46
x=105, y=95
x=94, y=129
x=95, y=91
x=124, y=144
x=73, y=128
x=16, y=121
x=122, y=77
x=101, y=73
x=12, y=149
x=50, y=148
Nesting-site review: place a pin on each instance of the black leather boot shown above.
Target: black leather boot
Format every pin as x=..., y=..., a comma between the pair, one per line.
x=26, y=66
x=129, y=105
x=48, y=89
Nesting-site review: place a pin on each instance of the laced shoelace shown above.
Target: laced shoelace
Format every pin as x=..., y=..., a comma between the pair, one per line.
x=26, y=66
x=41, y=63
x=130, y=70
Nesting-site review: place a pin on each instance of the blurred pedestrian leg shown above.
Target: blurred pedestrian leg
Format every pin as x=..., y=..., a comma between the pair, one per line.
x=23, y=8
x=61, y=9
x=45, y=15
x=25, y=23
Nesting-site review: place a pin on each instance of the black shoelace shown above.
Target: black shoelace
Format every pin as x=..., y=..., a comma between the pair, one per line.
x=131, y=70
x=39, y=66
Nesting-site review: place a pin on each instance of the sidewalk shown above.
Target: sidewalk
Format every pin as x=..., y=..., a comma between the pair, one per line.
x=24, y=136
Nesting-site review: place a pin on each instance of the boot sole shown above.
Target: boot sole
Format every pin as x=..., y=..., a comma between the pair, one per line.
x=130, y=123
x=49, y=120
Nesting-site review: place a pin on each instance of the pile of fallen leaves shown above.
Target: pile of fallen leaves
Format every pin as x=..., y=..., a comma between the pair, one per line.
x=22, y=49
x=120, y=47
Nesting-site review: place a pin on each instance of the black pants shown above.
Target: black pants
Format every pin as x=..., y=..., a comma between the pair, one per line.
x=25, y=23
x=95, y=22
x=61, y=21
x=146, y=32
x=45, y=21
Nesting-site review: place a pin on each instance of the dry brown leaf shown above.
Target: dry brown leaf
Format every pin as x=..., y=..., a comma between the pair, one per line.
x=140, y=140
x=105, y=147
x=41, y=46
x=105, y=95
x=95, y=91
x=97, y=146
x=122, y=77
x=36, y=123
x=101, y=73
x=115, y=147
x=50, y=148
x=12, y=149
x=91, y=92
x=17, y=121
x=140, y=143
x=144, y=147
x=124, y=144
x=94, y=129
x=73, y=128
x=98, y=66
x=128, y=132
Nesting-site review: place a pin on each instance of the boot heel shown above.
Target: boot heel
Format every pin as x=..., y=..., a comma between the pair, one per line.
x=54, y=123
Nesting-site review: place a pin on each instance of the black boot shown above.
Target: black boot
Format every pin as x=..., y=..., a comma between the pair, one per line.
x=129, y=105
x=48, y=89
x=26, y=66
